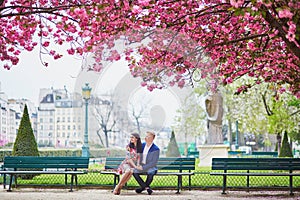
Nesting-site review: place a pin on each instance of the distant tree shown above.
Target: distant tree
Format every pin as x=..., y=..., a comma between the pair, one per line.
x=172, y=150
x=103, y=111
x=285, y=150
x=138, y=112
x=25, y=143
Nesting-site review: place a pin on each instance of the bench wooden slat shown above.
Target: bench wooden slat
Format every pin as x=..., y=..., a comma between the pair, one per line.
x=268, y=166
x=15, y=165
x=253, y=174
x=43, y=172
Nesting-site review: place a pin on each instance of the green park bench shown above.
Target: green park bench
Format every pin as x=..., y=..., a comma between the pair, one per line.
x=265, y=154
x=256, y=167
x=166, y=167
x=236, y=153
x=193, y=154
x=34, y=165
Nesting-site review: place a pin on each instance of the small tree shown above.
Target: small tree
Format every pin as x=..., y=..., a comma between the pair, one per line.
x=285, y=150
x=25, y=143
x=172, y=150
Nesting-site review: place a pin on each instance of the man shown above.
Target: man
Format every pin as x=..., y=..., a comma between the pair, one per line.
x=148, y=162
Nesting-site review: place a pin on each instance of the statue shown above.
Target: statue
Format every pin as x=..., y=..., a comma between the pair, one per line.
x=214, y=113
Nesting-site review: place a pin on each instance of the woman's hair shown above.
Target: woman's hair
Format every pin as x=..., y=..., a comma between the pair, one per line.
x=138, y=143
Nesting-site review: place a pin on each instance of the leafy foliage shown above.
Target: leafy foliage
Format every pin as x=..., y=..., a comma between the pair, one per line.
x=241, y=38
x=25, y=143
x=172, y=149
x=285, y=150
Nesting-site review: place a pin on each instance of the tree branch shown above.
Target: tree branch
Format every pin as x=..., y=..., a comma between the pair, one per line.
x=238, y=40
x=274, y=23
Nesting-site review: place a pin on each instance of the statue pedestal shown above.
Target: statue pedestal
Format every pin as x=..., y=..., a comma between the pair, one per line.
x=209, y=151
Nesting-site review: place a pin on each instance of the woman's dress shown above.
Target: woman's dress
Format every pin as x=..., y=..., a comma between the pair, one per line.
x=131, y=154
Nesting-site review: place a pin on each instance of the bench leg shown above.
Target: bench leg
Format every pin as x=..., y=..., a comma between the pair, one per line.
x=179, y=184
x=72, y=181
x=4, y=181
x=66, y=179
x=248, y=182
x=291, y=186
x=224, y=184
x=10, y=183
x=116, y=180
x=190, y=182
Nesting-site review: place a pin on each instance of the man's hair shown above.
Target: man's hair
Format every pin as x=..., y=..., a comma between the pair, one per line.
x=152, y=133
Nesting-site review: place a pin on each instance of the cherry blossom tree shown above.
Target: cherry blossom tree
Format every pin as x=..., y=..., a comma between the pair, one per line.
x=222, y=40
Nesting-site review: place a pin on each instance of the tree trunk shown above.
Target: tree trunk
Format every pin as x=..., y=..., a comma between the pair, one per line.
x=278, y=142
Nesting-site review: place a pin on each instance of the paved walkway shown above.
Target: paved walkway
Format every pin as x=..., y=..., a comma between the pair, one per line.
x=103, y=194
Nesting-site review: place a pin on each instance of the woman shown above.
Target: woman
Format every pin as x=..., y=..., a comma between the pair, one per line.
x=132, y=160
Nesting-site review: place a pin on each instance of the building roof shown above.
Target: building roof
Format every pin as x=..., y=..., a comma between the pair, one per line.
x=48, y=99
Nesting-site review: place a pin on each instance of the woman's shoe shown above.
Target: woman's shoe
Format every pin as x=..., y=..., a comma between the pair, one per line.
x=117, y=190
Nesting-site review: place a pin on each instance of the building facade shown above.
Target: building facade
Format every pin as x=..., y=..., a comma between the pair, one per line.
x=60, y=119
x=11, y=111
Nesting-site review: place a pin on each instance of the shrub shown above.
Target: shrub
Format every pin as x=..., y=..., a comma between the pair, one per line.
x=172, y=150
x=25, y=143
x=285, y=150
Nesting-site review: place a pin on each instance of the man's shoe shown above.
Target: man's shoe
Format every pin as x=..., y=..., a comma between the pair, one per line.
x=149, y=191
x=139, y=190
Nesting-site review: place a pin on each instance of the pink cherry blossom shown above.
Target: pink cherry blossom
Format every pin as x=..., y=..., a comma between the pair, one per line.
x=236, y=3
x=223, y=40
x=285, y=13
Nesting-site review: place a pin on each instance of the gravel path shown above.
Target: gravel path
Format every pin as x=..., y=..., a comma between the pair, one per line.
x=103, y=194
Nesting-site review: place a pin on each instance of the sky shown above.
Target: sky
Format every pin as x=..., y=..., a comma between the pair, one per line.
x=27, y=78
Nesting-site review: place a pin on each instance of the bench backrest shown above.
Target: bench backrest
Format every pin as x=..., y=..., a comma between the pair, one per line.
x=45, y=162
x=265, y=153
x=164, y=163
x=256, y=163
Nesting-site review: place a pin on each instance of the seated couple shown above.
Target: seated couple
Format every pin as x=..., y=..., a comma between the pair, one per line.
x=140, y=159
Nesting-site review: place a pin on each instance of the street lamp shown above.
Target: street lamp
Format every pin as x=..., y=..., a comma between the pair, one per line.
x=86, y=95
x=237, y=135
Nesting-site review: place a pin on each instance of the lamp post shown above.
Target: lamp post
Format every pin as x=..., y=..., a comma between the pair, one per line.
x=86, y=95
x=237, y=135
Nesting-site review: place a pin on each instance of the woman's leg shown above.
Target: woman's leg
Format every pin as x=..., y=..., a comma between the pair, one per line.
x=131, y=163
x=125, y=177
x=129, y=174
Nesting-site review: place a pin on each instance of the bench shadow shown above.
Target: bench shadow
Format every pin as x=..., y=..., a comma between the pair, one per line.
x=155, y=193
x=261, y=195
